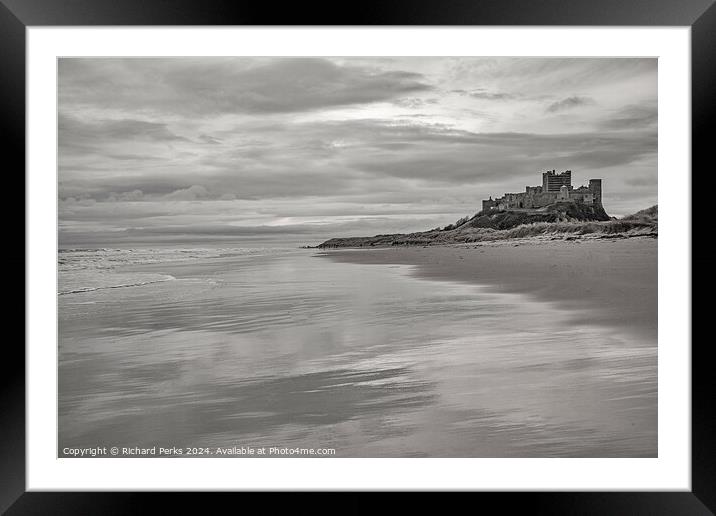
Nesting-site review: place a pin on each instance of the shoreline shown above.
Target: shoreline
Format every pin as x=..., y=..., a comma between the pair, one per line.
x=613, y=281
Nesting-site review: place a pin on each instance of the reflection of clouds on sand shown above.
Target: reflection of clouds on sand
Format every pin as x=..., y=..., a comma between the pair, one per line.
x=294, y=350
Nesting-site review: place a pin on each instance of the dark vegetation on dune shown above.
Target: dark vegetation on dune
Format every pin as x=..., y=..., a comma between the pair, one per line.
x=647, y=215
x=558, y=212
x=560, y=221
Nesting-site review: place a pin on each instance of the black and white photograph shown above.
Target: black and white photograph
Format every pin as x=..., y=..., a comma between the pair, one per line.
x=336, y=257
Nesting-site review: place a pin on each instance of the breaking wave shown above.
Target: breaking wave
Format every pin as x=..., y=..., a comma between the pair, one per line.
x=121, y=285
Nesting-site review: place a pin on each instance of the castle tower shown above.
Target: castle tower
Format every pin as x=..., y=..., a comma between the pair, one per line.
x=595, y=185
x=488, y=204
x=553, y=181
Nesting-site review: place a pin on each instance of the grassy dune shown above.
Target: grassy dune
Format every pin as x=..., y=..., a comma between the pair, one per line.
x=642, y=223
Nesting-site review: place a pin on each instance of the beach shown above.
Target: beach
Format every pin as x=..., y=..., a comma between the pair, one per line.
x=542, y=349
x=611, y=282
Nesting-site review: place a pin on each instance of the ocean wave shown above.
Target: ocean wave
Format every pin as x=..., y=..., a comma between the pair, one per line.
x=107, y=258
x=122, y=285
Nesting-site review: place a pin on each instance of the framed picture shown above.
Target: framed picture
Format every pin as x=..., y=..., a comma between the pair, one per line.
x=416, y=248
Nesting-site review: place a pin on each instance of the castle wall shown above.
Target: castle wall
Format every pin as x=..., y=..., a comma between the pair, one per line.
x=555, y=187
x=540, y=199
x=528, y=200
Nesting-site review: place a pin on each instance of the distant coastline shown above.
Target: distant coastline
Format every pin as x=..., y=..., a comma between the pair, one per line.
x=559, y=221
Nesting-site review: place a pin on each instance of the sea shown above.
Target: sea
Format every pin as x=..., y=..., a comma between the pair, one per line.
x=204, y=349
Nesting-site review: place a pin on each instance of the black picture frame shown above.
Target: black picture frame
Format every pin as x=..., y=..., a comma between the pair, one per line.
x=17, y=15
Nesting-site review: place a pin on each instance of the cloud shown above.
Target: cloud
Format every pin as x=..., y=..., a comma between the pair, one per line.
x=133, y=157
x=73, y=202
x=439, y=154
x=632, y=117
x=211, y=86
x=133, y=196
x=569, y=103
x=221, y=230
x=483, y=94
x=73, y=131
x=645, y=181
x=415, y=103
x=193, y=193
x=209, y=139
x=530, y=77
x=337, y=158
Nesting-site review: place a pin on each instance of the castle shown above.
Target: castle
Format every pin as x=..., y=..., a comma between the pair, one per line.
x=555, y=187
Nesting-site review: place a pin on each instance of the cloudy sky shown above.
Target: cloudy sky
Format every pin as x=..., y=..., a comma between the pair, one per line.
x=302, y=149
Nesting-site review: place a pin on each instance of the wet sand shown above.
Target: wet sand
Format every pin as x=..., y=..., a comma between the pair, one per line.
x=292, y=349
x=613, y=281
